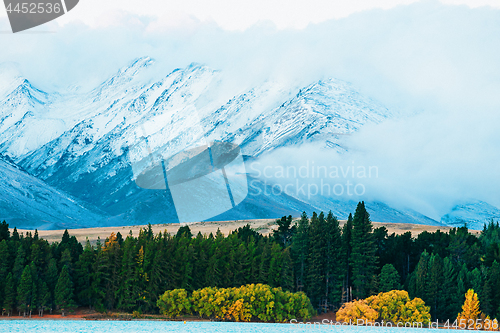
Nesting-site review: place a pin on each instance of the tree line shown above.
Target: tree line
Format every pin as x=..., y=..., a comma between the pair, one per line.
x=331, y=264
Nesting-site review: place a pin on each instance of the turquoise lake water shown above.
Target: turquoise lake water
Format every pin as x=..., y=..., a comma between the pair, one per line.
x=74, y=326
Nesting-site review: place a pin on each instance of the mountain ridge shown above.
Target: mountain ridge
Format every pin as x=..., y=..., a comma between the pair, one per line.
x=78, y=142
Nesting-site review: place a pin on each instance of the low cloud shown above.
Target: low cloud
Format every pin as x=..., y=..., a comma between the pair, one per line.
x=436, y=64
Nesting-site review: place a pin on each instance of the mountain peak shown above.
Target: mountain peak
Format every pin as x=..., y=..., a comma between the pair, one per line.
x=137, y=64
x=10, y=78
x=474, y=214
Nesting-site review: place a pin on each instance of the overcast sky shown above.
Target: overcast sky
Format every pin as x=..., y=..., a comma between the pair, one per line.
x=235, y=14
x=436, y=59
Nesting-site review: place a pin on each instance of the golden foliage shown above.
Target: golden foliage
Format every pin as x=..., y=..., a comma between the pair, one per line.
x=470, y=309
x=415, y=311
x=389, y=304
x=355, y=310
x=110, y=242
x=239, y=311
x=396, y=306
x=253, y=301
x=174, y=303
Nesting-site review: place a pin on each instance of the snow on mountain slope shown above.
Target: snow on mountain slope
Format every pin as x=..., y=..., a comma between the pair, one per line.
x=319, y=112
x=27, y=202
x=474, y=215
x=78, y=141
x=113, y=125
x=23, y=125
x=272, y=116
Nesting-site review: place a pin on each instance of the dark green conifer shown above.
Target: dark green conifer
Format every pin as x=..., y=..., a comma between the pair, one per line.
x=346, y=254
x=64, y=292
x=389, y=279
x=363, y=259
x=9, y=302
x=83, y=276
x=333, y=261
x=300, y=251
x=25, y=291
x=4, y=231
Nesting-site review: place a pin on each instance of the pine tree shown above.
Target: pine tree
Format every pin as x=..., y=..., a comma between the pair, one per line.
x=35, y=297
x=44, y=298
x=142, y=278
x=462, y=286
x=316, y=260
x=212, y=273
x=422, y=276
x=492, y=290
x=287, y=278
x=158, y=276
x=66, y=260
x=15, y=235
x=24, y=291
x=275, y=265
x=242, y=265
x=4, y=231
x=363, y=259
x=4, y=267
x=51, y=277
x=201, y=261
x=98, y=277
x=346, y=253
x=434, y=284
x=476, y=282
x=107, y=273
x=186, y=257
x=265, y=261
x=389, y=279
x=300, y=250
x=9, y=302
x=128, y=292
x=19, y=263
x=448, y=291
x=184, y=231
x=333, y=264
x=283, y=235
x=64, y=292
x=83, y=276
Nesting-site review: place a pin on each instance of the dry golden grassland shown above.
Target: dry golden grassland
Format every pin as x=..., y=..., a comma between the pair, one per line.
x=264, y=226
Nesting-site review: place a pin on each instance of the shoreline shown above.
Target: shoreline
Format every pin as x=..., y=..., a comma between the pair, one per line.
x=316, y=322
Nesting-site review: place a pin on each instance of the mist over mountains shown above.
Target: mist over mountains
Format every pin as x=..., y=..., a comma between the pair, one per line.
x=65, y=156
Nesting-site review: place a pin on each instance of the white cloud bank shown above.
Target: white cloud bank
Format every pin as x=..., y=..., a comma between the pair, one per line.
x=438, y=61
x=234, y=15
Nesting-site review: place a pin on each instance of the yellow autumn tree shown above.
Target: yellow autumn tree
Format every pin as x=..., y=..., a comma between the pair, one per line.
x=174, y=303
x=396, y=306
x=203, y=301
x=415, y=311
x=389, y=304
x=470, y=309
x=355, y=310
x=251, y=302
x=239, y=311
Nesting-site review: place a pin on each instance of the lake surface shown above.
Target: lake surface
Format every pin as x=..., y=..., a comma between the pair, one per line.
x=74, y=326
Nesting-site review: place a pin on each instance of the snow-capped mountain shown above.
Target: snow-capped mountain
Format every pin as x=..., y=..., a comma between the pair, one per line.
x=473, y=214
x=78, y=142
x=27, y=202
x=319, y=112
